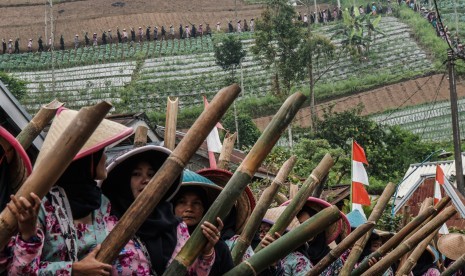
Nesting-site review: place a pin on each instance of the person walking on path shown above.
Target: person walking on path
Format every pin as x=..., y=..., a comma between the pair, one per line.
x=3, y=46
x=10, y=46
x=62, y=43
x=29, y=45
x=17, y=46
x=125, y=36
x=41, y=44
x=76, y=42
x=163, y=32
x=94, y=39
x=118, y=34
x=171, y=31
x=86, y=38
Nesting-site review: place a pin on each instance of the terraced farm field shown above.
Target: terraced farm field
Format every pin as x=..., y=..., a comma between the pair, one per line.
x=187, y=69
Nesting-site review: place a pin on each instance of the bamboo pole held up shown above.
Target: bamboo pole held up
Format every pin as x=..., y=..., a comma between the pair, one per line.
x=236, y=185
x=46, y=173
x=171, y=122
x=140, y=136
x=287, y=243
x=293, y=190
x=395, y=240
x=410, y=243
x=280, y=198
x=160, y=183
x=301, y=197
x=356, y=251
x=341, y=248
x=38, y=123
x=226, y=150
x=460, y=263
x=243, y=242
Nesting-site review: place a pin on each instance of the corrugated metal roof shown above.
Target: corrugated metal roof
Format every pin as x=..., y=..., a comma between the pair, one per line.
x=428, y=168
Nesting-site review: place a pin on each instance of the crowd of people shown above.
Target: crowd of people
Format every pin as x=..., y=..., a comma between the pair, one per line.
x=61, y=234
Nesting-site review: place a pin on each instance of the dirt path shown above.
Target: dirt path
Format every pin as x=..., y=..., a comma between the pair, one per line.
x=404, y=94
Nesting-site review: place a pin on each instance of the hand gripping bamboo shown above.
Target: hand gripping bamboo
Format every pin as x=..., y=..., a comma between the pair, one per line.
x=44, y=176
x=407, y=245
x=356, y=251
x=160, y=183
x=259, y=211
x=341, y=248
x=287, y=243
x=236, y=185
x=301, y=197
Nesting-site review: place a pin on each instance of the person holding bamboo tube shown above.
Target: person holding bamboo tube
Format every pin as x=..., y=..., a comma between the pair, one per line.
x=297, y=262
x=452, y=246
x=162, y=235
x=427, y=263
x=318, y=247
x=74, y=217
x=190, y=203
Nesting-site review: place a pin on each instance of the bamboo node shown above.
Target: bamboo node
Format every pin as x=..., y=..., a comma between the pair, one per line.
x=312, y=176
x=177, y=160
x=251, y=267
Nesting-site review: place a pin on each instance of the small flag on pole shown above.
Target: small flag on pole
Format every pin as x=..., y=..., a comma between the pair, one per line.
x=213, y=140
x=359, y=178
x=440, y=180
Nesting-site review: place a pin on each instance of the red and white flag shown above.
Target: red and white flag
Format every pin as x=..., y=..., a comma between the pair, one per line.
x=440, y=181
x=359, y=178
x=213, y=140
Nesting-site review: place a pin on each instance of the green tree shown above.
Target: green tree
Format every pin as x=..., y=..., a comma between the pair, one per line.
x=277, y=39
x=248, y=132
x=16, y=86
x=229, y=54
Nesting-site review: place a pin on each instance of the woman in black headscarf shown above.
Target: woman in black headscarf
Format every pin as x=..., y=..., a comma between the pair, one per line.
x=162, y=234
x=192, y=201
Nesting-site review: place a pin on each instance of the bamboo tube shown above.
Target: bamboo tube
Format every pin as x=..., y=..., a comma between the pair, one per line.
x=287, y=243
x=406, y=216
x=171, y=122
x=410, y=263
x=301, y=197
x=140, y=136
x=413, y=226
x=226, y=150
x=243, y=242
x=460, y=263
x=38, y=123
x=356, y=251
x=410, y=243
x=293, y=190
x=280, y=198
x=341, y=248
x=160, y=183
x=236, y=185
x=46, y=173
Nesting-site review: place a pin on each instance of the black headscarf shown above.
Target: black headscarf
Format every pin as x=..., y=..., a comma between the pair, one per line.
x=317, y=248
x=425, y=262
x=81, y=189
x=159, y=230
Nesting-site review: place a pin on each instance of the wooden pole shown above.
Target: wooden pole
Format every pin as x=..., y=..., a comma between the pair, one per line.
x=410, y=263
x=341, y=248
x=418, y=222
x=46, y=173
x=160, y=183
x=406, y=216
x=301, y=197
x=287, y=243
x=406, y=246
x=171, y=122
x=236, y=185
x=460, y=263
x=293, y=190
x=226, y=151
x=140, y=136
x=280, y=198
x=356, y=251
x=243, y=242
x=38, y=123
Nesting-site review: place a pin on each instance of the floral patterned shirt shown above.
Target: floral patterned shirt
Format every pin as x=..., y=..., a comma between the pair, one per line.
x=60, y=242
x=296, y=264
x=232, y=241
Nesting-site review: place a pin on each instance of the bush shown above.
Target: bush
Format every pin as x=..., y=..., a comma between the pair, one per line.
x=16, y=86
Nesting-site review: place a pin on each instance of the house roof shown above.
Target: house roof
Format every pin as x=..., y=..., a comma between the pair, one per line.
x=335, y=194
x=13, y=116
x=416, y=171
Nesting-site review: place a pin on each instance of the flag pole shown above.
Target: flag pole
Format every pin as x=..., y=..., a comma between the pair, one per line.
x=351, y=172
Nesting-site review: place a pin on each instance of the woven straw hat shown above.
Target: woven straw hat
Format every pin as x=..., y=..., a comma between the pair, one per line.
x=119, y=167
x=192, y=179
x=273, y=214
x=107, y=133
x=19, y=164
x=246, y=202
x=452, y=245
x=335, y=229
